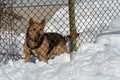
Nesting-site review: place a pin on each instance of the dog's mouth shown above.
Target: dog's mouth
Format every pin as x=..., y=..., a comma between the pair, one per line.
x=38, y=38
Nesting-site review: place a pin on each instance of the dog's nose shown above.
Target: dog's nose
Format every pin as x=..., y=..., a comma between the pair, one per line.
x=38, y=36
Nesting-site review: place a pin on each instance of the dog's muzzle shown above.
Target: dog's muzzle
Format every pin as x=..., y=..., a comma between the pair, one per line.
x=38, y=37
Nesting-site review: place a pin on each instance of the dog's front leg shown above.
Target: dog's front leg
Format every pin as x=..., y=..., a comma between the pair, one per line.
x=27, y=57
x=42, y=55
x=43, y=58
x=42, y=51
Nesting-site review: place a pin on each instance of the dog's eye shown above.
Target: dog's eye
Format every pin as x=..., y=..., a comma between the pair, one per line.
x=40, y=29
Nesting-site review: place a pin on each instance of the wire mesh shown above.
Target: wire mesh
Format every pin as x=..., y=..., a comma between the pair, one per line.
x=91, y=18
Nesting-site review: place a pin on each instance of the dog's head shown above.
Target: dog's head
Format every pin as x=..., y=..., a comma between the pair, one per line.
x=35, y=30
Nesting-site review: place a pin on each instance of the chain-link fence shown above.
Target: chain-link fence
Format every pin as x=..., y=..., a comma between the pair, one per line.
x=91, y=18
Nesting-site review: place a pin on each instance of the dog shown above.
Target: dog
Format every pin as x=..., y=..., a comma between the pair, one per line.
x=43, y=46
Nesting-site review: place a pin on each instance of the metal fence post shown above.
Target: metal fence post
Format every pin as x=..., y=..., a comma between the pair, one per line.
x=72, y=24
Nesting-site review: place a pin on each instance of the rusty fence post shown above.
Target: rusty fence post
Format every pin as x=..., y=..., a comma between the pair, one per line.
x=72, y=24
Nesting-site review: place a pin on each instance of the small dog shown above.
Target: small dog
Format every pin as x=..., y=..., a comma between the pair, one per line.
x=42, y=45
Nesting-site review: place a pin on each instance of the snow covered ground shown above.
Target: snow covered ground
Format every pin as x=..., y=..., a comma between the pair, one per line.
x=92, y=61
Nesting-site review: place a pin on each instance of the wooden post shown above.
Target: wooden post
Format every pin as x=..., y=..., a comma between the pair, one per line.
x=72, y=24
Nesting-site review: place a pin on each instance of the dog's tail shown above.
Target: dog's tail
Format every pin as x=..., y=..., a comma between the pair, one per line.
x=68, y=37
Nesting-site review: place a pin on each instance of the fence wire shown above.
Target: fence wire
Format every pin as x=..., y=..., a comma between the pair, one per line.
x=91, y=18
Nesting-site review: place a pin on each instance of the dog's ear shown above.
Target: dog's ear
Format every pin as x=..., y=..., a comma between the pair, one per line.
x=43, y=22
x=31, y=21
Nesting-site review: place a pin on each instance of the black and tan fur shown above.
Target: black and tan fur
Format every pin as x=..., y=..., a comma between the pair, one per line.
x=43, y=45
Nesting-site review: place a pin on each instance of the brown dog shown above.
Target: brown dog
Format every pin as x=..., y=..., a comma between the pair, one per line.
x=43, y=45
